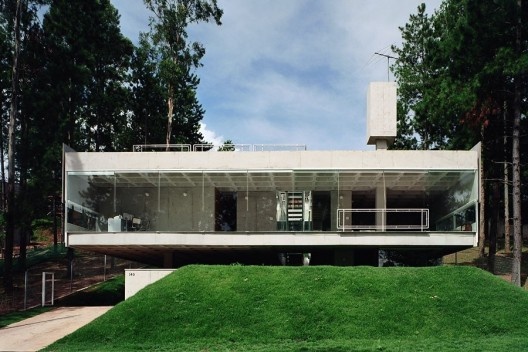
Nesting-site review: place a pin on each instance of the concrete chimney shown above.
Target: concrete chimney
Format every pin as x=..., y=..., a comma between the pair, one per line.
x=381, y=114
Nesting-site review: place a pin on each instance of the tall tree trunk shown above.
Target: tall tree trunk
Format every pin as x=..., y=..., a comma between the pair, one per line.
x=516, y=188
x=492, y=234
x=71, y=120
x=170, y=110
x=10, y=228
x=516, y=170
x=482, y=204
x=23, y=196
x=2, y=165
x=506, y=185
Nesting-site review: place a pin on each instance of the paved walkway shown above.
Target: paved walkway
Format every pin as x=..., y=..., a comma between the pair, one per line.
x=42, y=330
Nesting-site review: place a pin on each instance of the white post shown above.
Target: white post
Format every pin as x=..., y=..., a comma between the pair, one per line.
x=43, y=288
x=44, y=274
x=25, y=289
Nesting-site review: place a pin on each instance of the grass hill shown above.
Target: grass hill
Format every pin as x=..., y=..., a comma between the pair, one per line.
x=249, y=308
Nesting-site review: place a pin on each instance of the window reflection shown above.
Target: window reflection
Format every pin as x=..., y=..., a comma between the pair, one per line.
x=266, y=201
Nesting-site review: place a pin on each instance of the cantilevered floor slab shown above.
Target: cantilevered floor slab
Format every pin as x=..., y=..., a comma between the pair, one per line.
x=147, y=246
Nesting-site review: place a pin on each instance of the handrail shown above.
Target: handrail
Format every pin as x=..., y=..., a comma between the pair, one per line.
x=278, y=147
x=222, y=147
x=458, y=218
x=161, y=147
x=345, y=219
x=206, y=147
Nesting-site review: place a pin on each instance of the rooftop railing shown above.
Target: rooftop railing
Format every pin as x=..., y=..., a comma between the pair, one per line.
x=161, y=148
x=382, y=219
x=217, y=147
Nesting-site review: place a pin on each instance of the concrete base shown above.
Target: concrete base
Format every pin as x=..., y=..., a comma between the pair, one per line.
x=137, y=279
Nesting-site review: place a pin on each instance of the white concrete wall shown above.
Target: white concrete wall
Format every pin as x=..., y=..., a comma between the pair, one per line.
x=136, y=279
x=259, y=213
x=289, y=160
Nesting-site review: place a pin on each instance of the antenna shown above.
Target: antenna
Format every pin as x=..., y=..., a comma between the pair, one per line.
x=388, y=62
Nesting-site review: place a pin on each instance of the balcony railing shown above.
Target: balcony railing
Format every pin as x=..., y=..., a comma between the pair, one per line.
x=217, y=147
x=461, y=219
x=161, y=148
x=382, y=219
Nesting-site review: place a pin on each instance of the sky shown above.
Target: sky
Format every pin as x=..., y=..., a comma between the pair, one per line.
x=290, y=72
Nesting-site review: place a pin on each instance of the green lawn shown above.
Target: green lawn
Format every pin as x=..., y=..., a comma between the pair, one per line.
x=249, y=308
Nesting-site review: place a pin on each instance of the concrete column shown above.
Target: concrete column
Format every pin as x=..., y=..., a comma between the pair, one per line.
x=334, y=205
x=382, y=144
x=168, y=260
x=381, y=203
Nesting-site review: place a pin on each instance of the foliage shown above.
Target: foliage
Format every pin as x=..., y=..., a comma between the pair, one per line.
x=87, y=60
x=177, y=59
x=147, y=106
x=227, y=146
x=428, y=110
x=37, y=256
x=42, y=229
x=243, y=308
x=454, y=71
x=462, y=78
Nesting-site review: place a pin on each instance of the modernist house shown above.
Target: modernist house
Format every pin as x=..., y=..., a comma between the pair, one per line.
x=260, y=204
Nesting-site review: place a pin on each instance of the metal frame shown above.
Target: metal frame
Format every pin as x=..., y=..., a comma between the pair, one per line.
x=206, y=147
x=161, y=147
x=342, y=217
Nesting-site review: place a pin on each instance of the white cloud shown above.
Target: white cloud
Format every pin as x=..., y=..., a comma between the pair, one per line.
x=210, y=136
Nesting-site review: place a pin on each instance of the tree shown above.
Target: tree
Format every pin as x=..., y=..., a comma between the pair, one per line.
x=88, y=59
x=67, y=85
x=13, y=110
x=5, y=83
x=18, y=24
x=520, y=69
x=227, y=146
x=177, y=61
x=147, y=118
x=469, y=81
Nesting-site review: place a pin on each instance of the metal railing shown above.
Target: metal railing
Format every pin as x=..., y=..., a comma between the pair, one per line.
x=161, y=147
x=382, y=219
x=208, y=147
x=461, y=219
x=278, y=147
x=222, y=147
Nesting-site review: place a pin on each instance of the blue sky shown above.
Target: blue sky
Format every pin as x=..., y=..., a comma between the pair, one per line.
x=290, y=72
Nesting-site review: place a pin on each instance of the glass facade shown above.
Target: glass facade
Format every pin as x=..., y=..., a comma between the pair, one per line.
x=271, y=201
